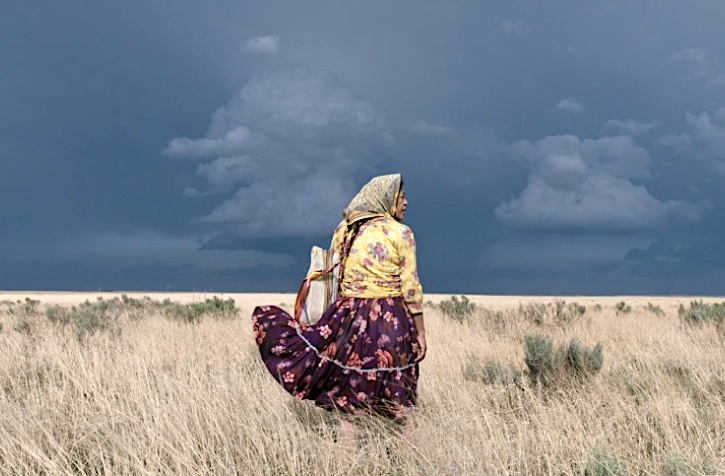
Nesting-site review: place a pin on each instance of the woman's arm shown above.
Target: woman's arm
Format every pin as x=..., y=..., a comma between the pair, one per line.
x=409, y=282
x=410, y=286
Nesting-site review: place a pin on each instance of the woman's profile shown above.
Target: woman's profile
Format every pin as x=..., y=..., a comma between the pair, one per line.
x=362, y=355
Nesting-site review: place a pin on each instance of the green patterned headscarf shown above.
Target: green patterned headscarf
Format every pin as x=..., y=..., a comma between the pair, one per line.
x=377, y=198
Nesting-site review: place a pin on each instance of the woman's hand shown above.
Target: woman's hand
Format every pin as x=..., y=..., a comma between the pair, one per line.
x=420, y=328
x=422, y=347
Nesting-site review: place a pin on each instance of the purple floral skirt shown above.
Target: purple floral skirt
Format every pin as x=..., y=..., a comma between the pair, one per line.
x=359, y=357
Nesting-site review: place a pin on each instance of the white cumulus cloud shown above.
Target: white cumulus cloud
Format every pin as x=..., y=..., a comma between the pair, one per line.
x=704, y=138
x=628, y=127
x=708, y=134
x=570, y=105
x=231, y=141
x=587, y=184
x=709, y=131
x=283, y=155
x=262, y=45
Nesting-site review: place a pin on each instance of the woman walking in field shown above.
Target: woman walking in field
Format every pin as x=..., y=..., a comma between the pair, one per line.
x=362, y=355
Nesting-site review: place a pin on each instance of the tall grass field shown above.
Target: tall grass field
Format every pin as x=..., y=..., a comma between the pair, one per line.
x=511, y=386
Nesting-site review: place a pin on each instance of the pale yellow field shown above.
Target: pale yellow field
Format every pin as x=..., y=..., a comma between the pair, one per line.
x=153, y=395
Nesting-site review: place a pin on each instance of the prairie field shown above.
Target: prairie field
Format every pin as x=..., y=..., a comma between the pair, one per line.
x=173, y=384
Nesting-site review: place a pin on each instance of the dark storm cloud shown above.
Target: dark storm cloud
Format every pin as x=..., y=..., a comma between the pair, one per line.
x=289, y=144
x=555, y=147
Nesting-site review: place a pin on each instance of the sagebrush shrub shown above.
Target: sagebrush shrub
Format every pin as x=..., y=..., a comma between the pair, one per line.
x=604, y=464
x=104, y=314
x=654, y=309
x=457, y=310
x=546, y=365
x=23, y=326
x=540, y=358
x=564, y=312
x=551, y=366
x=677, y=465
x=623, y=308
x=701, y=313
x=559, y=312
x=193, y=312
x=22, y=309
x=582, y=361
x=491, y=372
x=534, y=312
x=93, y=317
x=58, y=315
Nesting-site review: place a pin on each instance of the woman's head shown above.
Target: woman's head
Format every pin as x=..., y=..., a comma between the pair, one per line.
x=379, y=197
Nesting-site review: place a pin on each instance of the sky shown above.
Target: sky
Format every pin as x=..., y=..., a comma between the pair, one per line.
x=558, y=148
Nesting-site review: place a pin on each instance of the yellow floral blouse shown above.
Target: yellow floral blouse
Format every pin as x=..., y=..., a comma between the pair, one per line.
x=381, y=263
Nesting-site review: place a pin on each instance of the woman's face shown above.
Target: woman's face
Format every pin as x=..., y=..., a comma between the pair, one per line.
x=400, y=206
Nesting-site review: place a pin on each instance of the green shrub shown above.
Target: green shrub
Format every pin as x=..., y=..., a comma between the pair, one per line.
x=604, y=464
x=559, y=312
x=104, y=314
x=656, y=310
x=457, y=310
x=491, y=373
x=534, y=312
x=93, y=317
x=623, y=308
x=135, y=303
x=192, y=313
x=701, y=313
x=58, y=315
x=23, y=326
x=88, y=317
x=584, y=362
x=551, y=366
x=540, y=358
x=677, y=465
x=26, y=308
x=564, y=312
x=1, y=326
x=546, y=365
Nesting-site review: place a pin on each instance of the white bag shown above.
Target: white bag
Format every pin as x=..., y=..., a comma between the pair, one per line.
x=320, y=288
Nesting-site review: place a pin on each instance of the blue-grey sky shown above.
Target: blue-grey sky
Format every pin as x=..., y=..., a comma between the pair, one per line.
x=560, y=147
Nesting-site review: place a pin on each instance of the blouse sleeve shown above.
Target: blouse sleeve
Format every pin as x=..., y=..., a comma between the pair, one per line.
x=409, y=281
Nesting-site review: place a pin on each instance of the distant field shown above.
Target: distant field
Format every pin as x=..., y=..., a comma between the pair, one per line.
x=253, y=299
x=136, y=386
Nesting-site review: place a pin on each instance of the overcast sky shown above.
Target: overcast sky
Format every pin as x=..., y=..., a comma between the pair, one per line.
x=560, y=147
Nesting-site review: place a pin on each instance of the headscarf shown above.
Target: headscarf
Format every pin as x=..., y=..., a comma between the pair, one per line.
x=377, y=198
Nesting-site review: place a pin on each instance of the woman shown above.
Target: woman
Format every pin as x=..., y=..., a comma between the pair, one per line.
x=363, y=353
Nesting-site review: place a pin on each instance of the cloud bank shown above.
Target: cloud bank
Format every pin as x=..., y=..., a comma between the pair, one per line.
x=283, y=155
x=588, y=185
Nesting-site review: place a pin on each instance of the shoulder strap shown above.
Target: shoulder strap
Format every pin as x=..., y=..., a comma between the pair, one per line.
x=305, y=289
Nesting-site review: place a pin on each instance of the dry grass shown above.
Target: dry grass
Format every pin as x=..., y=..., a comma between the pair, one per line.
x=159, y=396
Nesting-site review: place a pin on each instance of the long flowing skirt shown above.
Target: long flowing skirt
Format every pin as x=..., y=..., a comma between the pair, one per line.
x=360, y=356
